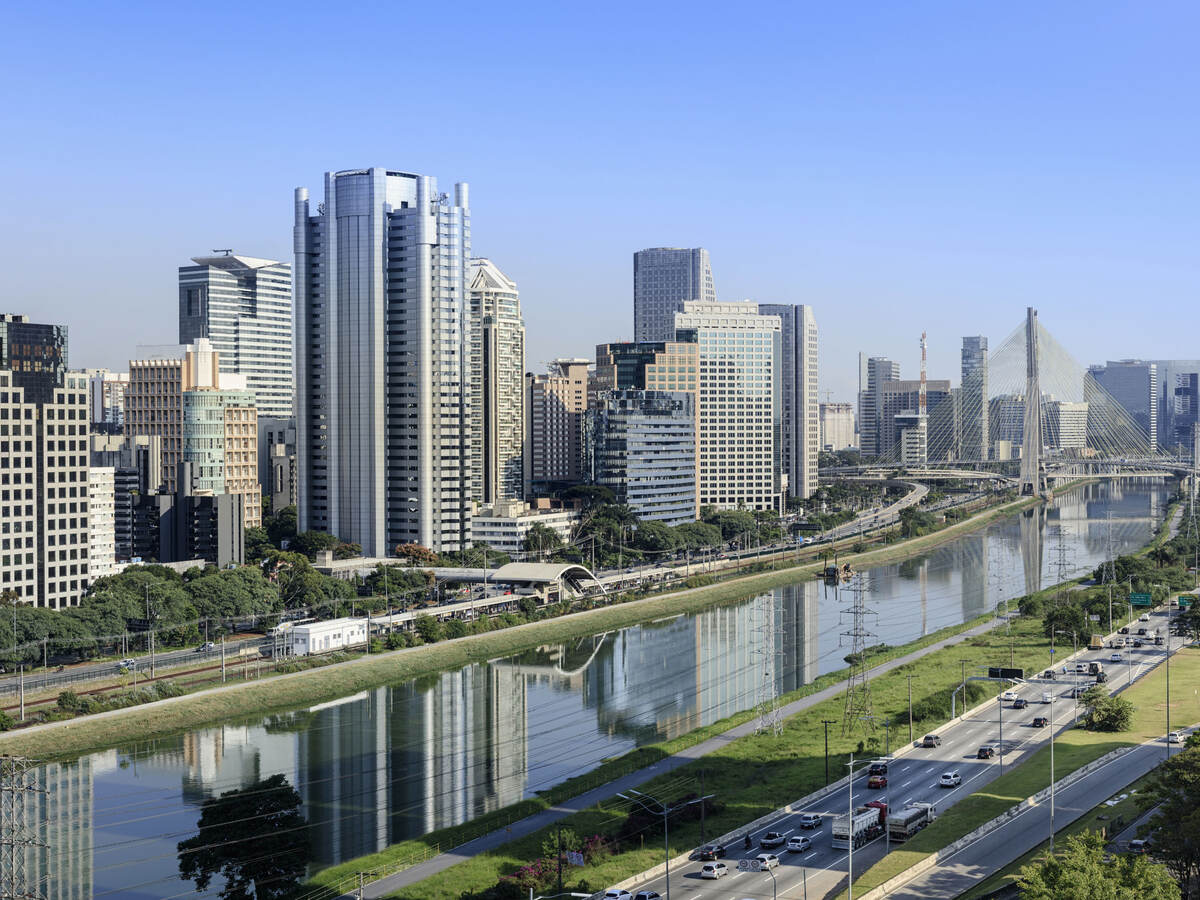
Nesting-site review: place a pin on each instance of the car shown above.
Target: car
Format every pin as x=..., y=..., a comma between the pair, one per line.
x=931, y=740
x=1175, y=737
x=1144, y=617
x=206, y=647
x=1048, y=674
x=985, y=752
x=877, y=781
x=710, y=851
x=950, y=779
x=1040, y=721
x=713, y=870
x=1081, y=668
x=767, y=861
x=877, y=768
x=810, y=820
x=128, y=664
x=772, y=839
x=617, y=894
x=1138, y=846
x=1047, y=697
x=1142, y=632
x=1101, y=677
x=1020, y=703
x=1009, y=696
x=647, y=895
x=799, y=844
x=1123, y=630
x=1136, y=644
x=1114, y=657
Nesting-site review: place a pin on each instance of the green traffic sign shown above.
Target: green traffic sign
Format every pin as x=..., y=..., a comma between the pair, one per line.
x=1186, y=600
x=1140, y=600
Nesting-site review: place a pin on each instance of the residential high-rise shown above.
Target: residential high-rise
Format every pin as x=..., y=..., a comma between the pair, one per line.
x=106, y=400
x=497, y=375
x=800, y=415
x=643, y=448
x=220, y=441
x=556, y=405
x=1133, y=385
x=880, y=370
x=1066, y=425
x=973, y=445
x=663, y=279
x=136, y=465
x=243, y=305
x=383, y=400
x=741, y=461
x=837, y=426
x=154, y=399
x=101, y=520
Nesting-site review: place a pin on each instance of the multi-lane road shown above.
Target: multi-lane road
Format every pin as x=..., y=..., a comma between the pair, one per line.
x=913, y=775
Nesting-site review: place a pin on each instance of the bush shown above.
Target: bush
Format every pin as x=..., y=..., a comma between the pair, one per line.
x=7, y=722
x=456, y=628
x=68, y=701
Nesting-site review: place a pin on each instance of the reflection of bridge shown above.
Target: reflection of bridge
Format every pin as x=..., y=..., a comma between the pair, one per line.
x=556, y=669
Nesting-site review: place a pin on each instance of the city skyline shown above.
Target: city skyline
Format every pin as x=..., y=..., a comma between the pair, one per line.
x=975, y=210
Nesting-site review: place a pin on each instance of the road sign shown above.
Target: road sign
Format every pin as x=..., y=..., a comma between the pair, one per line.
x=1008, y=674
x=1186, y=600
x=749, y=865
x=575, y=858
x=1094, y=618
x=1140, y=600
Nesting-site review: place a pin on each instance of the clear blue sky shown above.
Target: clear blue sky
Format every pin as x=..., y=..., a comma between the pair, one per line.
x=900, y=167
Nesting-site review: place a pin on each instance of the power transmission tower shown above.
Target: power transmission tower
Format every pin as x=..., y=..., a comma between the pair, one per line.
x=766, y=647
x=16, y=785
x=858, y=686
x=1064, y=564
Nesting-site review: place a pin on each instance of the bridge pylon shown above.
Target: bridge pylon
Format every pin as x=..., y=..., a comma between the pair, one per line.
x=1033, y=479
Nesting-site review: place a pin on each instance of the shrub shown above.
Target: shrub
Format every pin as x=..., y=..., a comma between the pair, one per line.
x=7, y=722
x=68, y=701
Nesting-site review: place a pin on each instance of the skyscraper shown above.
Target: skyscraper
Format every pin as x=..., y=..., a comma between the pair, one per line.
x=837, y=426
x=383, y=409
x=556, y=404
x=800, y=416
x=880, y=369
x=243, y=305
x=974, y=444
x=663, y=279
x=1133, y=385
x=497, y=375
x=741, y=461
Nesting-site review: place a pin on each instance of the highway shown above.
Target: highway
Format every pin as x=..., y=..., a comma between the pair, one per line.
x=913, y=776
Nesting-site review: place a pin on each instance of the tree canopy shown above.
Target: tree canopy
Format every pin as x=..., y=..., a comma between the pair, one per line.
x=1081, y=870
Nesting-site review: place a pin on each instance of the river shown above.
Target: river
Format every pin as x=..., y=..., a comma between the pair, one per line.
x=401, y=760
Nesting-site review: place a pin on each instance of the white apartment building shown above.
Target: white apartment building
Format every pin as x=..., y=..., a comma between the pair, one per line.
x=101, y=522
x=383, y=404
x=107, y=398
x=504, y=526
x=497, y=376
x=740, y=447
x=837, y=426
x=800, y=412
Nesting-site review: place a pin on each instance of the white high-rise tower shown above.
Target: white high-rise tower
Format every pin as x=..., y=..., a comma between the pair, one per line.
x=382, y=400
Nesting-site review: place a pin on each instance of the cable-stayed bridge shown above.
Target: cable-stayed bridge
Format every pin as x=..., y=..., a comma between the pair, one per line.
x=1045, y=417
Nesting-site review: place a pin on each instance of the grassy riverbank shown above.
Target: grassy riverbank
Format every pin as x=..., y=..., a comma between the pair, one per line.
x=1074, y=749
x=276, y=693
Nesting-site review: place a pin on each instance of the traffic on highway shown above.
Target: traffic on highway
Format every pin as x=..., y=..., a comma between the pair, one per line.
x=893, y=797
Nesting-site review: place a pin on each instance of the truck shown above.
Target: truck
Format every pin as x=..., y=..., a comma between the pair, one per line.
x=905, y=823
x=1097, y=642
x=855, y=829
x=1095, y=667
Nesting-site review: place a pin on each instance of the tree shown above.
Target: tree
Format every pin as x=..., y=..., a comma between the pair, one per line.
x=281, y=527
x=698, y=535
x=1067, y=616
x=299, y=584
x=655, y=537
x=417, y=555
x=257, y=544
x=310, y=543
x=1080, y=871
x=541, y=539
x=1106, y=712
x=733, y=522
x=255, y=838
x=429, y=628
x=1173, y=831
x=591, y=495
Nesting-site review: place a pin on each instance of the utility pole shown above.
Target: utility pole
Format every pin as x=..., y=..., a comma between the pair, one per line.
x=16, y=836
x=222, y=659
x=827, y=723
x=910, y=731
x=858, y=685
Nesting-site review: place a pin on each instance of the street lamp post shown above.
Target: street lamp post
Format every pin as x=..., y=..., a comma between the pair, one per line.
x=665, y=811
x=827, y=723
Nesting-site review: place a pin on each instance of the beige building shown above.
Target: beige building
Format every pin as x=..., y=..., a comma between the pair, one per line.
x=556, y=406
x=837, y=426
x=102, y=535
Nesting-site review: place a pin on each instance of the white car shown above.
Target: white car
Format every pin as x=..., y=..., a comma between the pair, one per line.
x=1175, y=737
x=950, y=779
x=1144, y=617
x=713, y=870
x=617, y=894
x=1114, y=657
x=1009, y=696
x=799, y=844
x=128, y=664
x=767, y=861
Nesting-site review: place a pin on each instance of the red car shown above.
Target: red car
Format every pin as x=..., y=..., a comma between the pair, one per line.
x=877, y=781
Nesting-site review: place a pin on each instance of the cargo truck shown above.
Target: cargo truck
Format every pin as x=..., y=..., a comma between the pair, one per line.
x=855, y=830
x=905, y=823
x=1097, y=642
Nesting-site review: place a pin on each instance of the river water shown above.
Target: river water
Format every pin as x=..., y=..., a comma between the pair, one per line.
x=398, y=761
